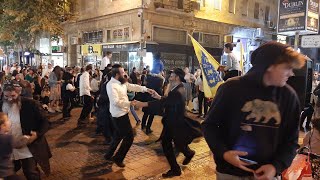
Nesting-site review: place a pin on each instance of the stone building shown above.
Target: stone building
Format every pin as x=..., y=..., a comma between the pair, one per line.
x=135, y=29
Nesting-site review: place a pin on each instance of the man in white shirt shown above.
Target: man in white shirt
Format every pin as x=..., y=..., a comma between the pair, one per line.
x=106, y=60
x=119, y=108
x=28, y=122
x=233, y=64
x=201, y=97
x=84, y=86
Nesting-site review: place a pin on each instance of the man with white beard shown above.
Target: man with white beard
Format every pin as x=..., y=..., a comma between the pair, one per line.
x=26, y=124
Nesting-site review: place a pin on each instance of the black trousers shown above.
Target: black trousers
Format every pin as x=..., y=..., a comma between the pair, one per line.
x=167, y=140
x=307, y=113
x=230, y=74
x=67, y=106
x=87, y=107
x=144, y=122
x=29, y=168
x=124, y=133
x=204, y=100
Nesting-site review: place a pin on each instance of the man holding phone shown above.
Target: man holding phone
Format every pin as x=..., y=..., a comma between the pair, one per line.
x=253, y=133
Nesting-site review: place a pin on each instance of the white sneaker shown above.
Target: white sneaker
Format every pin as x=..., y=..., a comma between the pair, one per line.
x=50, y=110
x=58, y=110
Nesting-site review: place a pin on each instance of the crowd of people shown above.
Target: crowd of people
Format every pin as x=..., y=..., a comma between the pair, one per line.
x=254, y=135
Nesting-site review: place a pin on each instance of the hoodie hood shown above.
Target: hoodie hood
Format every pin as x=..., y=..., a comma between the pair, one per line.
x=262, y=58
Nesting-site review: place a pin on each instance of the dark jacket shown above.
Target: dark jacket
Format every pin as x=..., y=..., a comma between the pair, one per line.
x=258, y=119
x=32, y=118
x=152, y=82
x=172, y=108
x=6, y=164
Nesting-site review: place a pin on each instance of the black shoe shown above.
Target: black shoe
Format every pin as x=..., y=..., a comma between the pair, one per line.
x=188, y=159
x=171, y=173
x=118, y=163
x=148, y=131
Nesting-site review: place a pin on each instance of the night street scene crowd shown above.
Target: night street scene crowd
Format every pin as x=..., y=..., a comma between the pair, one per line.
x=252, y=125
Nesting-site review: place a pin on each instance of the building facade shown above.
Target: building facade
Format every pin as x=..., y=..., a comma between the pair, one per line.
x=134, y=30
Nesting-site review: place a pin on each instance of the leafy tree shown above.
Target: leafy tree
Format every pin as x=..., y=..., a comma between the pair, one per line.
x=22, y=21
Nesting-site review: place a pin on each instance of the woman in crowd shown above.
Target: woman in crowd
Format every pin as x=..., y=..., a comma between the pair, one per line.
x=55, y=89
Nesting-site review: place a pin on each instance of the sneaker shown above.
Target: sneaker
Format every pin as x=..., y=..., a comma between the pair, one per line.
x=50, y=110
x=188, y=159
x=171, y=173
x=58, y=110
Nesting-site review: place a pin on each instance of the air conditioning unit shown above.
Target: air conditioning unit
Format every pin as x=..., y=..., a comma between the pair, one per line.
x=195, y=6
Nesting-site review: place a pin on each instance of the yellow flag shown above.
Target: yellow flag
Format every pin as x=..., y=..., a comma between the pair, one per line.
x=211, y=77
x=241, y=57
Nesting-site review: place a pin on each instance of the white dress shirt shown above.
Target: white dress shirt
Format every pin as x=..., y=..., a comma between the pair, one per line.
x=84, y=84
x=16, y=132
x=70, y=87
x=104, y=62
x=199, y=83
x=94, y=85
x=117, y=93
x=233, y=63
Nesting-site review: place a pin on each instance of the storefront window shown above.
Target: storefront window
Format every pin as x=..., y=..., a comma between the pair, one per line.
x=119, y=35
x=93, y=37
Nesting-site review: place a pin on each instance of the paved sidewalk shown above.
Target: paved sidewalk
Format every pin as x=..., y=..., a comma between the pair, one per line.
x=78, y=154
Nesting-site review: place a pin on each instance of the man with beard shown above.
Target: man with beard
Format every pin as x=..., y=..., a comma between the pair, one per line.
x=117, y=89
x=177, y=127
x=24, y=123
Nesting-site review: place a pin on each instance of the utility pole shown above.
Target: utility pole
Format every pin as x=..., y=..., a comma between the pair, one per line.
x=142, y=40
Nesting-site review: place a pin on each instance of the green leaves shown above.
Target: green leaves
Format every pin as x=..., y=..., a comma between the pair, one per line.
x=21, y=21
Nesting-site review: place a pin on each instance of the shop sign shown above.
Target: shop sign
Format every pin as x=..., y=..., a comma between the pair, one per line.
x=310, y=41
x=120, y=47
x=313, y=16
x=93, y=49
x=298, y=15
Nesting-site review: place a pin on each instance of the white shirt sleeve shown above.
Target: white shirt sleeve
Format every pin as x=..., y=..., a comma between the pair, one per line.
x=70, y=87
x=136, y=88
x=229, y=63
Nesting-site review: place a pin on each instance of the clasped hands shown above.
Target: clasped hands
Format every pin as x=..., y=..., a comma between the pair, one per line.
x=153, y=94
x=25, y=140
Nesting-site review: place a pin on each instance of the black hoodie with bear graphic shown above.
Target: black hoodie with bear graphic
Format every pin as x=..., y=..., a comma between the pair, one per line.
x=247, y=116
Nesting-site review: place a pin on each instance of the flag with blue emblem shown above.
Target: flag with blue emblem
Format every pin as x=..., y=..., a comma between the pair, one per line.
x=211, y=77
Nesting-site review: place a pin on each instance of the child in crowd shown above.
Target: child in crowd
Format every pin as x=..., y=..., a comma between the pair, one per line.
x=45, y=94
x=7, y=144
x=312, y=138
x=67, y=94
